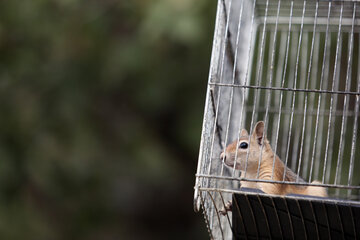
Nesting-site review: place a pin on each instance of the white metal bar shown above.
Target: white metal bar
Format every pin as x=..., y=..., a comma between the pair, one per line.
x=225, y=37
x=314, y=76
x=244, y=82
x=294, y=93
x=201, y=159
x=300, y=99
x=290, y=80
x=280, y=68
x=321, y=105
x=310, y=21
x=306, y=96
x=302, y=183
x=269, y=92
x=355, y=127
x=258, y=81
x=345, y=107
x=330, y=129
x=282, y=85
x=233, y=82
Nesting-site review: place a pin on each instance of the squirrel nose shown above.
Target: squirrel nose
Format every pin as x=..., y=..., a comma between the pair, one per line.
x=222, y=156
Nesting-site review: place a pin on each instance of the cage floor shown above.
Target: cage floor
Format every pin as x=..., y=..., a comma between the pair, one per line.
x=275, y=217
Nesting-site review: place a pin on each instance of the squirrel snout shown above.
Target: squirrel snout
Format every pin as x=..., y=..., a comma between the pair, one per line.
x=223, y=156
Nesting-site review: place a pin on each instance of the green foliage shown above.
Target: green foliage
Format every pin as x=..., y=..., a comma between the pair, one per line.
x=101, y=104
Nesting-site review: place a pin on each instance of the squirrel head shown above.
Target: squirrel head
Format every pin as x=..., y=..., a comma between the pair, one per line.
x=246, y=145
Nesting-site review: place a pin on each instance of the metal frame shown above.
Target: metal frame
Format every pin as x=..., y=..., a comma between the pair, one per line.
x=288, y=63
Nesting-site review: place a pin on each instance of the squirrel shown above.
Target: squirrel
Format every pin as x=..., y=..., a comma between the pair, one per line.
x=258, y=142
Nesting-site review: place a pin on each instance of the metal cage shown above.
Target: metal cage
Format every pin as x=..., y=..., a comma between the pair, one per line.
x=296, y=66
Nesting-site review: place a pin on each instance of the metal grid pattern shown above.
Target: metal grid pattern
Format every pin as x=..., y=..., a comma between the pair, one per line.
x=296, y=66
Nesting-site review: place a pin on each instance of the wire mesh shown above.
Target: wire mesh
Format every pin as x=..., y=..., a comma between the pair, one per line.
x=295, y=65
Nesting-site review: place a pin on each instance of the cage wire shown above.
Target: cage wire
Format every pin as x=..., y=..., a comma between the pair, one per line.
x=294, y=65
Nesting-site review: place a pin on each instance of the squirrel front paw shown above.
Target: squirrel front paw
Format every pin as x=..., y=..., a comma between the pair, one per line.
x=226, y=208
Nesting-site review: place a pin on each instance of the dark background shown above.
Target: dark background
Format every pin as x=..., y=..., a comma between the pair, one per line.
x=101, y=108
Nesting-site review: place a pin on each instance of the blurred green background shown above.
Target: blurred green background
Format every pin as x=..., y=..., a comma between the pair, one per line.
x=101, y=111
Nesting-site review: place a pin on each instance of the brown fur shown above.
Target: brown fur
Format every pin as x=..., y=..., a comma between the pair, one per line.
x=255, y=145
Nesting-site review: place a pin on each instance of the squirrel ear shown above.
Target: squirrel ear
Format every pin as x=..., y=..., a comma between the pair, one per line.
x=244, y=133
x=259, y=132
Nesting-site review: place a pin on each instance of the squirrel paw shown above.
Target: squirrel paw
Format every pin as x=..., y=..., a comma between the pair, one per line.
x=226, y=208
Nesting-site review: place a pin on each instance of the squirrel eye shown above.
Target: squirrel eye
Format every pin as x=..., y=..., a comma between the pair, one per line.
x=243, y=145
